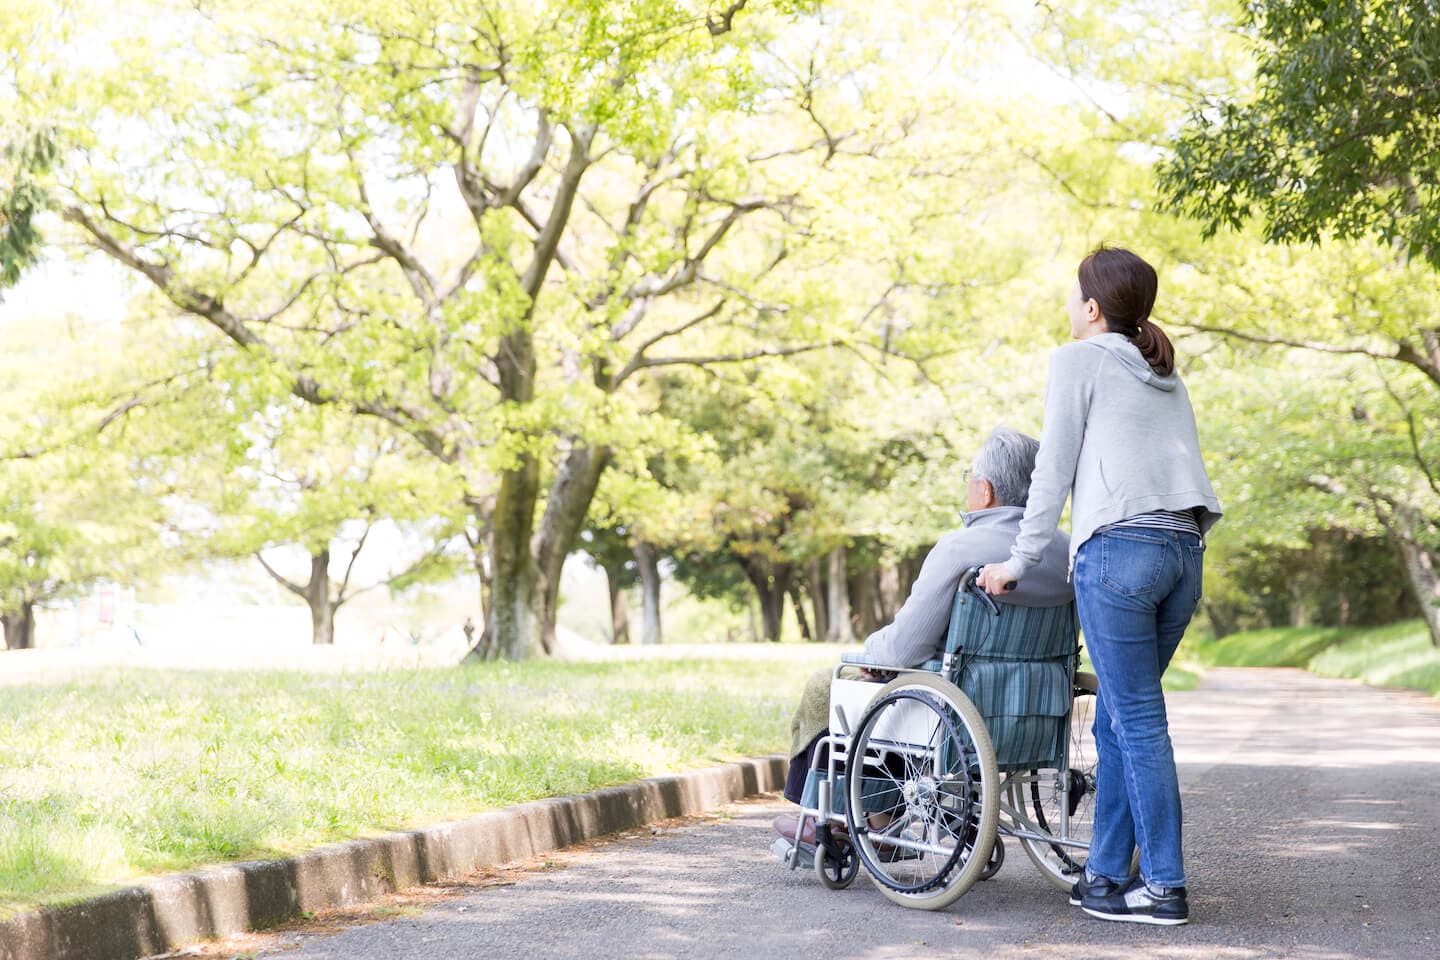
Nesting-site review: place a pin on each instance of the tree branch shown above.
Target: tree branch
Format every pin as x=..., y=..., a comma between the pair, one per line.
x=548, y=242
x=1414, y=431
x=1404, y=352
x=340, y=596
x=299, y=591
x=541, y=149
x=422, y=283
x=725, y=21
x=34, y=453
x=185, y=297
x=561, y=257
x=636, y=361
x=303, y=386
x=651, y=285
x=731, y=358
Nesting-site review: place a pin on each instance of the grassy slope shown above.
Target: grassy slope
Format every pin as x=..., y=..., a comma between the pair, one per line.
x=118, y=776
x=1398, y=655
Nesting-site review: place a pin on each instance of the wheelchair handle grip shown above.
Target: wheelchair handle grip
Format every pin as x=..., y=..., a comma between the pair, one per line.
x=969, y=583
x=968, y=578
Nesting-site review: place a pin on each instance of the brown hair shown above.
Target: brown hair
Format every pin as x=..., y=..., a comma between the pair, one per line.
x=1124, y=286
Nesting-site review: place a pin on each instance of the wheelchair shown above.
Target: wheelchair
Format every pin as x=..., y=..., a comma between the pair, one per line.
x=921, y=779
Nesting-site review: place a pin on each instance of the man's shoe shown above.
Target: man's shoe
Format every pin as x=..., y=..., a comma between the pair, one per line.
x=1093, y=887
x=787, y=825
x=1139, y=902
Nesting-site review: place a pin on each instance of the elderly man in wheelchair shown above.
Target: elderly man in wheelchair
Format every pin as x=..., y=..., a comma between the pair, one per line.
x=955, y=726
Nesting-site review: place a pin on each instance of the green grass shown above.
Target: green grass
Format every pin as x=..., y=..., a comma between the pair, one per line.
x=111, y=778
x=1277, y=647
x=1182, y=674
x=1181, y=677
x=114, y=777
x=1399, y=655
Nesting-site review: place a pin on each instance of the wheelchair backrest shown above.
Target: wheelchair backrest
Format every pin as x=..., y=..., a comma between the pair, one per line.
x=1015, y=664
x=1012, y=633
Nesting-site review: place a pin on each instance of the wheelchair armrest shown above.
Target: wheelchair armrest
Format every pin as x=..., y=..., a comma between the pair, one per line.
x=865, y=660
x=862, y=659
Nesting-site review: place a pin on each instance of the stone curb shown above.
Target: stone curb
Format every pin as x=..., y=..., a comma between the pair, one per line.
x=170, y=912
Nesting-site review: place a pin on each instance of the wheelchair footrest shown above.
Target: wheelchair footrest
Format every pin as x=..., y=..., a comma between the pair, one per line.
x=781, y=848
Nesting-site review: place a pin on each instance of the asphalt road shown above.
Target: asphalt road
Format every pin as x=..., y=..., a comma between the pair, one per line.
x=1311, y=807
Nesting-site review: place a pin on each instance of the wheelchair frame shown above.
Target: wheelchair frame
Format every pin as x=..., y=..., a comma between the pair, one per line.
x=958, y=805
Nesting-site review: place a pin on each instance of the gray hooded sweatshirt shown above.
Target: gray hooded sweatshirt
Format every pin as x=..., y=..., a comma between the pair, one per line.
x=1121, y=437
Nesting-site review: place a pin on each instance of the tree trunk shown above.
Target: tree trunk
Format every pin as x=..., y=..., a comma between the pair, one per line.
x=565, y=507
x=772, y=584
x=841, y=630
x=798, y=602
x=1220, y=624
x=819, y=599
x=862, y=603
x=619, y=609
x=317, y=597
x=20, y=627
x=649, y=564
x=1299, y=609
x=889, y=593
x=512, y=523
x=483, y=647
x=910, y=570
x=513, y=571
x=772, y=613
x=316, y=594
x=1423, y=566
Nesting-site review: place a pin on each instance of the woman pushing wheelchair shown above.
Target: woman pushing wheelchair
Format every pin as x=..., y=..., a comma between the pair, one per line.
x=1120, y=440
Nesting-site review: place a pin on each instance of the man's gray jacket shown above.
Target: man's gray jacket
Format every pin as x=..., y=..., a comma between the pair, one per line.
x=918, y=633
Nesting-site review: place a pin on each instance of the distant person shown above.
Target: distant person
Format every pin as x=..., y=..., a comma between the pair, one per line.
x=1120, y=440
x=996, y=489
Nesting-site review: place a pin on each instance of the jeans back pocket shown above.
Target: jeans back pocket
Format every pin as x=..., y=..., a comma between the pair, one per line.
x=1131, y=563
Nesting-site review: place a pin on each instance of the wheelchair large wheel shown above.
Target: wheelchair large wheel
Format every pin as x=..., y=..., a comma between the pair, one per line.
x=923, y=792
x=1045, y=796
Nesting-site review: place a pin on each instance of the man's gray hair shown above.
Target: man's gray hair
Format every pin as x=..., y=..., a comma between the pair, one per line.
x=1006, y=459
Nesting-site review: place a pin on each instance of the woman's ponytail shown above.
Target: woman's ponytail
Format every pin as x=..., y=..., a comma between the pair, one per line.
x=1155, y=347
x=1123, y=285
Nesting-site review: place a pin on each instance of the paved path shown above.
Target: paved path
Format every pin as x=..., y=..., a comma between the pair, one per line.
x=1312, y=809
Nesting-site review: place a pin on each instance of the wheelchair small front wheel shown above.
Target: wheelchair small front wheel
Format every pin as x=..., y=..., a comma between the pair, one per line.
x=997, y=860
x=836, y=863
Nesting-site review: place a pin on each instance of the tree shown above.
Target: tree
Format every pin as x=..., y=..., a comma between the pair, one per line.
x=1224, y=291
x=1336, y=142
x=1335, y=139
x=367, y=235
x=77, y=500
x=323, y=482
x=27, y=145
x=22, y=162
x=609, y=547
x=848, y=464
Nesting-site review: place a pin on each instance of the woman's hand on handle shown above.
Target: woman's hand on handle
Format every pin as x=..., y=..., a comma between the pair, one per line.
x=995, y=579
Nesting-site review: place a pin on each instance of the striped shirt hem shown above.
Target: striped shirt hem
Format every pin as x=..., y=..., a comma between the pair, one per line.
x=1178, y=521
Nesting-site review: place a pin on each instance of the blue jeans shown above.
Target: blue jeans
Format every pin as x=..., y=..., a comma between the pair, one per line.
x=1136, y=590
